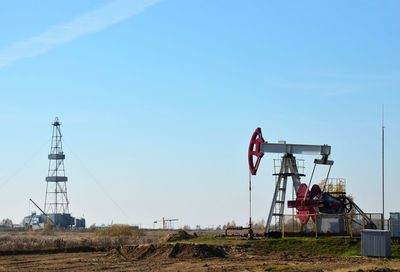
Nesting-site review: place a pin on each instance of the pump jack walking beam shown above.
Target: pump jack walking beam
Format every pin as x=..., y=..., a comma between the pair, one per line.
x=324, y=150
x=258, y=147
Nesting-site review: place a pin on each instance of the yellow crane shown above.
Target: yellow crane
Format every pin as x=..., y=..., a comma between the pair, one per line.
x=165, y=222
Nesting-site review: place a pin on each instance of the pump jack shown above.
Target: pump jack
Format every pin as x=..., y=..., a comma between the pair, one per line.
x=308, y=202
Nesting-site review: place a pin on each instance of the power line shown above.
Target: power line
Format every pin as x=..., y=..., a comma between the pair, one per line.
x=94, y=179
x=24, y=165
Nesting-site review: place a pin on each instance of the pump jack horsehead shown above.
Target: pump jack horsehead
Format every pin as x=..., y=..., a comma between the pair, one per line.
x=308, y=201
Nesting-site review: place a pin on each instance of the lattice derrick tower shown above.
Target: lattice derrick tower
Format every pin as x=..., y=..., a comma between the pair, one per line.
x=56, y=200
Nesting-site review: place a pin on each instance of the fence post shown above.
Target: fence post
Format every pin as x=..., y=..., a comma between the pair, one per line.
x=351, y=226
x=315, y=225
x=391, y=227
x=283, y=226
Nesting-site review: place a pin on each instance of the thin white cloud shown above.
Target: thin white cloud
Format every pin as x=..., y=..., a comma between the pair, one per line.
x=92, y=21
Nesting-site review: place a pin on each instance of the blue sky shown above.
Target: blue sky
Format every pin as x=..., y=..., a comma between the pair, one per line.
x=158, y=100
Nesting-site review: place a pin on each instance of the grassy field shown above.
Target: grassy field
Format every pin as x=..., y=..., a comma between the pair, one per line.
x=314, y=246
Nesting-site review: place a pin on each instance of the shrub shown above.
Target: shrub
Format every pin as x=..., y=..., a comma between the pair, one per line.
x=117, y=230
x=92, y=228
x=47, y=228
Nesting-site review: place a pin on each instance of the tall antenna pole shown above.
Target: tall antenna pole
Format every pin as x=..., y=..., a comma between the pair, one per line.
x=383, y=164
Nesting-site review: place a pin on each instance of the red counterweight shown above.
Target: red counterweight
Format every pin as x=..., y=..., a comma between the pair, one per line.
x=305, y=206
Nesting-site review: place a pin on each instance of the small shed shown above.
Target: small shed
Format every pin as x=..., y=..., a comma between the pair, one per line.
x=375, y=243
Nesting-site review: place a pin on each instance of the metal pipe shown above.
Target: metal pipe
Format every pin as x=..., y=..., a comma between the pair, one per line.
x=309, y=183
x=249, y=199
x=42, y=211
x=326, y=180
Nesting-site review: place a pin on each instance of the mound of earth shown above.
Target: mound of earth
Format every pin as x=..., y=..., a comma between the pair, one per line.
x=177, y=250
x=196, y=251
x=177, y=236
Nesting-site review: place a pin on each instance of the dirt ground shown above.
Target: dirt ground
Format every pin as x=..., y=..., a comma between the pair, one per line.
x=177, y=251
x=189, y=257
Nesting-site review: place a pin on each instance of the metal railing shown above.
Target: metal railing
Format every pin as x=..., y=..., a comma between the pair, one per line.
x=278, y=164
x=347, y=224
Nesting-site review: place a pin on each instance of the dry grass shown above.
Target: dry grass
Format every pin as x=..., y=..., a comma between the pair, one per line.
x=118, y=235
x=37, y=240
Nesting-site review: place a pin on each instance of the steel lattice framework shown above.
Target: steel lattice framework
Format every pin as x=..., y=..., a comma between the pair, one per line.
x=56, y=200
